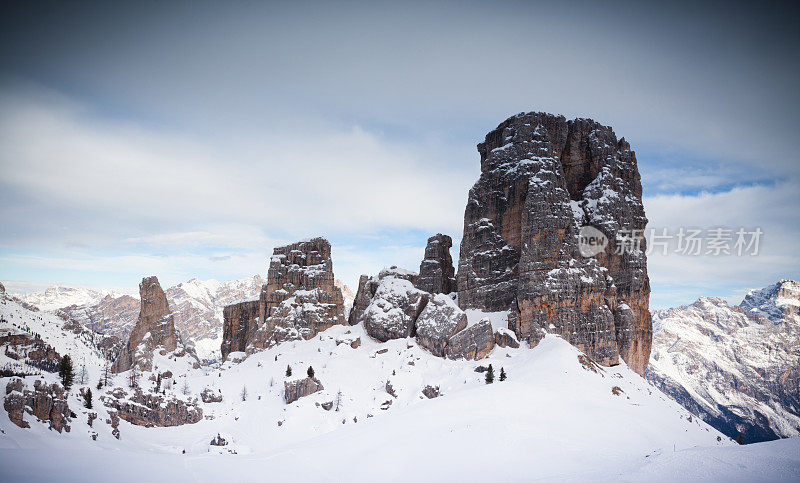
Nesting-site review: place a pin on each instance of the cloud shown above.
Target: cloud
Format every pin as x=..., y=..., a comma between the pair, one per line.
x=677, y=279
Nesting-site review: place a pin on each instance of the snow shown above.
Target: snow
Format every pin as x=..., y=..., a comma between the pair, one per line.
x=552, y=419
x=499, y=320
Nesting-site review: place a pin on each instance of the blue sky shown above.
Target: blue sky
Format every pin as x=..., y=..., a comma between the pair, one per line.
x=188, y=140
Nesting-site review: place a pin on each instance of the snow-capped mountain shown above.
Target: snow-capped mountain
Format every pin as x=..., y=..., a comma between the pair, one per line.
x=58, y=296
x=197, y=305
x=33, y=341
x=737, y=367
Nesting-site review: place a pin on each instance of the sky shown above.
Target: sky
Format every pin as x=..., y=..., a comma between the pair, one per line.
x=188, y=139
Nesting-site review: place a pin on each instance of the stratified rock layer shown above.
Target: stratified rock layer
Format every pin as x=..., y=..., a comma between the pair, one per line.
x=542, y=178
x=436, y=272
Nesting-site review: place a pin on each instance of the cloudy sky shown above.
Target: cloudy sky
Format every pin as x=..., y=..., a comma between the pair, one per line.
x=188, y=139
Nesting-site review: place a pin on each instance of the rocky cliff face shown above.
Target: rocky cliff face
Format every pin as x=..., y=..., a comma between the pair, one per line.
x=299, y=300
x=240, y=323
x=47, y=403
x=155, y=330
x=436, y=272
x=736, y=367
x=542, y=179
x=152, y=409
x=113, y=316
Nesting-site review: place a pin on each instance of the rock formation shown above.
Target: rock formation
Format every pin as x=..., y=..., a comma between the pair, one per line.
x=474, y=342
x=155, y=330
x=152, y=409
x=542, y=179
x=436, y=272
x=367, y=286
x=240, y=322
x=46, y=403
x=440, y=319
x=394, y=309
x=299, y=300
x=292, y=391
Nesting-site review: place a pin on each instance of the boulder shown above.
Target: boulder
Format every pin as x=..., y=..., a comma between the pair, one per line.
x=505, y=338
x=394, y=309
x=436, y=272
x=218, y=441
x=431, y=392
x=300, y=317
x=292, y=391
x=542, y=180
x=209, y=395
x=367, y=286
x=439, y=320
x=474, y=342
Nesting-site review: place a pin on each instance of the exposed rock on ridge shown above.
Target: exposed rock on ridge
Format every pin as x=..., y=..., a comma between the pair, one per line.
x=542, y=178
x=155, y=330
x=299, y=300
x=436, y=272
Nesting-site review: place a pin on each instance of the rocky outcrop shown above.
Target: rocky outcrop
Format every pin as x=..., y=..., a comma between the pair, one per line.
x=2, y=288
x=299, y=300
x=505, y=338
x=436, y=272
x=208, y=395
x=240, y=322
x=115, y=316
x=47, y=403
x=440, y=319
x=394, y=309
x=431, y=392
x=474, y=342
x=367, y=286
x=542, y=179
x=152, y=409
x=292, y=391
x=155, y=329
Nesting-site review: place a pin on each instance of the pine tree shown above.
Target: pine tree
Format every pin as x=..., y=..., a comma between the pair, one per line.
x=87, y=398
x=502, y=374
x=133, y=378
x=490, y=375
x=100, y=384
x=185, y=387
x=65, y=372
x=158, y=383
x=288, y=371
x=243, y=394
x=310, y=372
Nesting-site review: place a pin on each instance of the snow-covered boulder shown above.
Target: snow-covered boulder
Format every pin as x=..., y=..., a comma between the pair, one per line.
x=45, y=403
x=505, y=338
x=210, y=396
x=292, y=391
x=152, y=409
x=394, y=309
x=439, y=320
x=474, y=342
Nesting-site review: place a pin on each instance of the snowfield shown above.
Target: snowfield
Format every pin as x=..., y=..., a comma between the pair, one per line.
x=557, y=416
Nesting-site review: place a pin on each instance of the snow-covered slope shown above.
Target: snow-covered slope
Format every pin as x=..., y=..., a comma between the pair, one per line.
x=27, y=336
x=737, y=367
x=557, y=415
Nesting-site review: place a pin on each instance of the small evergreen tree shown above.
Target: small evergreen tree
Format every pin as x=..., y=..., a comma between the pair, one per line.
x=310, y=372
x=66, y=372
x=502, y=374
x=288, y=371
x=243, y=394
x=133, y=377
x=490, y=375
x=87, y=398
x=100, y=384
x=158, y=383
